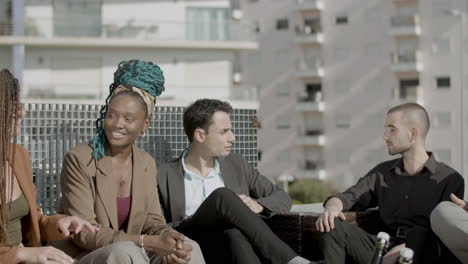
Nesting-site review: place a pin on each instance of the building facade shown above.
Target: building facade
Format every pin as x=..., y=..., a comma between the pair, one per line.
x=72, y=47
x=328, y=71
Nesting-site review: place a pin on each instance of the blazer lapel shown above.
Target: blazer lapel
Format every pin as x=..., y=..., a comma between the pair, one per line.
x=176, y=190
x=140, y=171
x=227, y=172
x=107, y=189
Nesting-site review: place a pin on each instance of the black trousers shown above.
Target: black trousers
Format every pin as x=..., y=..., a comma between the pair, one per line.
x=226, y=229
x=352, y=241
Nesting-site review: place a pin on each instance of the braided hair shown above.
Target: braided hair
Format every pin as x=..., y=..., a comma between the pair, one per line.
x=145, y=76
x=9, y=114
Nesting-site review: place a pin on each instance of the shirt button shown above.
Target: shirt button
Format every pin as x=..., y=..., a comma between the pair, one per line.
x=406, y=196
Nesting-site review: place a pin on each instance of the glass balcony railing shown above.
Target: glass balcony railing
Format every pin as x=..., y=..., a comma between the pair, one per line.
x=136, y=30
x=315, y=97
x=404, y=21
x=407, y=57
x=307, y=30
x=309, y=68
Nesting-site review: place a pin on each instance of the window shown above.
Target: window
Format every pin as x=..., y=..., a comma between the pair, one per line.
x=409, y=89
x=442, y=120
x=282, y=123
x=312, y=93
x=440, y=7
x=282, y=24
x=282, y=89
x=443, y=82
x=204, y=23
x=257, y=27
x=343, y=120
x=341, y=52
x=312, y=25
x=341, y=20
x=441, y=46
x=77, y=18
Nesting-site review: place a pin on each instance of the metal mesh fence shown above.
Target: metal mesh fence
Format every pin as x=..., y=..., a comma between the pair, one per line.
x=49, y=130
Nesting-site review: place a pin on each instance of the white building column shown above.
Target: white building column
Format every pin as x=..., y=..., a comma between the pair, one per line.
x=18, y=50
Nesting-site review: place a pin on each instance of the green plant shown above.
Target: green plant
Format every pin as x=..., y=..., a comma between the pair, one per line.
x=310, y=190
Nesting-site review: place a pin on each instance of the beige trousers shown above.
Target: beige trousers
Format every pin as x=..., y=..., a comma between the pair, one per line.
x=128, y=252
x=450, y=223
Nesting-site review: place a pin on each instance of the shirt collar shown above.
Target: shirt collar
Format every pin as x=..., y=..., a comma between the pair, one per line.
x=188, y=174
x=431, y=164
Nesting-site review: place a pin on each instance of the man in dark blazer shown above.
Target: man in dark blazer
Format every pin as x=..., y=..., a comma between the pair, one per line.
x=217, y=198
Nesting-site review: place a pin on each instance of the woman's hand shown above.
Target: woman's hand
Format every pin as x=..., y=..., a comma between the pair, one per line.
x=75, y=225
x=40, y=255
x=167, y=243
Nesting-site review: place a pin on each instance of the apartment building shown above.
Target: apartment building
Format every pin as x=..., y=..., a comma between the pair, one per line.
x=69, y=49
x=328, y=71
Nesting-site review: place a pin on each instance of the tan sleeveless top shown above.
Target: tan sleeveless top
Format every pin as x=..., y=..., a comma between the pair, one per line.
x=19, y=209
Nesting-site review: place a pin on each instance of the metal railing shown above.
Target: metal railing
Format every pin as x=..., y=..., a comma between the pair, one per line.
x=49, y=130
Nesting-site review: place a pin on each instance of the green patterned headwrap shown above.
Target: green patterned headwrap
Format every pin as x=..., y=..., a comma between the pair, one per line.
x=145, y=76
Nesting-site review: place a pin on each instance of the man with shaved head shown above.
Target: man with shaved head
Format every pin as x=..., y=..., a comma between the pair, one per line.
x=405, y=190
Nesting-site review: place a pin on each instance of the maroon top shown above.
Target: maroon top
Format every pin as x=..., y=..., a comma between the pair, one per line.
x=123, y=210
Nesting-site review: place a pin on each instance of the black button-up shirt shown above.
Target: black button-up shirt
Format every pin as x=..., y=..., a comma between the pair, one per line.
x=403, y=199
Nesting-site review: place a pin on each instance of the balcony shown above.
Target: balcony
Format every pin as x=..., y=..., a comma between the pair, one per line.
x=229, y=35
x=311, y=137
x=405, y=25
x=407, y=62
x=309, y=70
x=311, y=169
x=310, y=106
x=309, y=35
x=309, y=5
x=407, y=94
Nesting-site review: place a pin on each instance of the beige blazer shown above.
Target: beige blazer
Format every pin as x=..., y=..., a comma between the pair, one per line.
x=35, y=227
x=89, y=191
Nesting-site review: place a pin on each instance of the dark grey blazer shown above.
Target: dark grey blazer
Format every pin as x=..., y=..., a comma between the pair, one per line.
x=238, y=175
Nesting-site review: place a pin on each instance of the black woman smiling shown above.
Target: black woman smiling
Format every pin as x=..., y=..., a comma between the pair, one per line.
x=110, y=182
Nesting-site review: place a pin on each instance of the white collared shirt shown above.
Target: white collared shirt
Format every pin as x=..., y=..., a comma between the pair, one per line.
x=198, y=188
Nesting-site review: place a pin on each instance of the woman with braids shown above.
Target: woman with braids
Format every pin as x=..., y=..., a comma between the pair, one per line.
x=112, y=183
x=22, y=226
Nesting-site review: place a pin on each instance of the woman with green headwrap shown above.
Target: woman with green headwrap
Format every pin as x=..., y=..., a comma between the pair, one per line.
x=112, y=183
